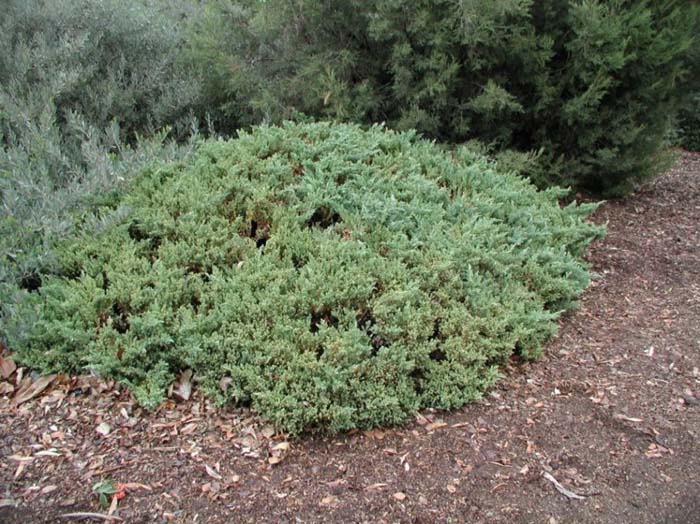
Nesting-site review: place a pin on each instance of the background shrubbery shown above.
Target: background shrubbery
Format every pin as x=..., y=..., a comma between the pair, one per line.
x=83, y=87
x=332, y=277
x=593, y=84
x=689, y=124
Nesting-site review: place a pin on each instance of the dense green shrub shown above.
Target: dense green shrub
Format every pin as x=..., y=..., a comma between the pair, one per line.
x=593, y=84
x=80, y=81
x=688, y=125
x=332, y=277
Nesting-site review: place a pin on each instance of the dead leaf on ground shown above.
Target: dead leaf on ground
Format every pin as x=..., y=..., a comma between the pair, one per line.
x=52, y=452
x=103, y=429
x=131, y=486
x=620, y=416
x=435, y=425
x=282, y=446
x=19, y=470
x=399, y=496
x=190, y=428
x=376, y=486
x=421, y=420
x=329, y=500
x=656, y=451
x=21, y=458
x=182, y=388
x=30, y=390
x=233, y=479
x=6, y=388
x=212, y=472
x=375, y=434
x=113, y=506
x=7, y=367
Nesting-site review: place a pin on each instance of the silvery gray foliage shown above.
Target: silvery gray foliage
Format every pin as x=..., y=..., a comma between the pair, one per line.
x=90, y=92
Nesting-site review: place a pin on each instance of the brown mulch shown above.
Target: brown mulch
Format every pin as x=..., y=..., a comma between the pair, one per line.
x=611, y=413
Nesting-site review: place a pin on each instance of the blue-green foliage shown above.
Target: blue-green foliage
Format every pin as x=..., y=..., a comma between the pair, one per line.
x=332, y=277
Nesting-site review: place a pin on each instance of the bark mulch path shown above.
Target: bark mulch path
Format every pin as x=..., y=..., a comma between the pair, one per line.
x=611, y=413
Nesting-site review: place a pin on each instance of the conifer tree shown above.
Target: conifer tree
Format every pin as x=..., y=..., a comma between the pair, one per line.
x=594, y=84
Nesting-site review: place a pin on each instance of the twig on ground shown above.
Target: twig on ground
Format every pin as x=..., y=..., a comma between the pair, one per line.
x=561, y=489
x=99, y=516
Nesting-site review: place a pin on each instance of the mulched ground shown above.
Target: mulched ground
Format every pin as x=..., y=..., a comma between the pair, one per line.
x=611, y=413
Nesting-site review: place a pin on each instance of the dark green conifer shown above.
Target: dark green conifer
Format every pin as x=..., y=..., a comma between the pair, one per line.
x=593, y=84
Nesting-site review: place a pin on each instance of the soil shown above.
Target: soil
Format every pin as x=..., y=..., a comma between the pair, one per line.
x=611, y=413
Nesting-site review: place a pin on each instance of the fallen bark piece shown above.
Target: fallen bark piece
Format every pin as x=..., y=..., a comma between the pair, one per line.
x=561, y=489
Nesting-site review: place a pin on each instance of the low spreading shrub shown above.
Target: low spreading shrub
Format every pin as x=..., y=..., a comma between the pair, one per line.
x=592, y=84
x=331, y=277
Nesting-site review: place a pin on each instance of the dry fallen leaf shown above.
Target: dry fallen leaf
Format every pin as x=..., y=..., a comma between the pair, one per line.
x=451, y=488
x=212, y=472
x=113, y=506
x=329, y=500
x=189, y=428
x=282, y=446
x=103, y=429
x=421, y=419
x=21, y=458
x=53, y=452
x=182, y=388
x=620, y=416
x=399, y=495
x=233, y=479
x=224, y=383
x=19, y=470
x=375, y=486
x=7, y=367
x=435, y=425
x=30, y=390
x=130, y=486
x=6, y=388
